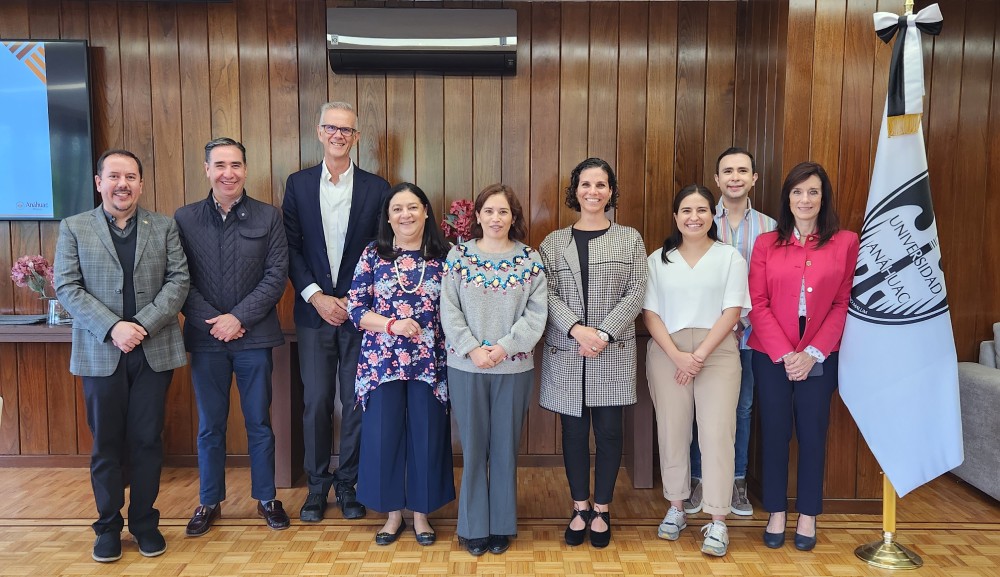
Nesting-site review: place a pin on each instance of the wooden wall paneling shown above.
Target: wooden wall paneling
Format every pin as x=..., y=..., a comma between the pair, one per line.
x=401, y=136
x=798, y=84
x=969, y=177
x=573, y=96
x=371, y=104
x=343, y=87
x=546, y=197
x=487, y=132
x=195, y=97
x=10, y=438
x=25, y=240
x=106, y=77
x=136, y=94
x=43, y=19
x=32, y=399
x=515, y=116
x=689, y=134
x=283, y=79
x=742, y=90
x=720, y=82
x=254, y=96
x=989, y=278
x=880, y=83
x=774, y=117
x=14, y=19
x=458, y=141
x=314, y=68
x=661, y=81
x=223, y=72
x=633, y=24
x=944, y=85
x=602, y=105
x=7, y=258
x=73, y=21
x=827, y=89
x=61, y=400
x=428, y=123
x=180, y=420
x=856, y=124
x=165, y=94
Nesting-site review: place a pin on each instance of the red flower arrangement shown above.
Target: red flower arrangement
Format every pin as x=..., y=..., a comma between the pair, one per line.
x=34, y=272
x=457, y=224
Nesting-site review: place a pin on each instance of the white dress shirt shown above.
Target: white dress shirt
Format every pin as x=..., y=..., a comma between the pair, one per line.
x=335, y=211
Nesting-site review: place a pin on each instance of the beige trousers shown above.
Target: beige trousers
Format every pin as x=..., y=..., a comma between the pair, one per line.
x=712, y=396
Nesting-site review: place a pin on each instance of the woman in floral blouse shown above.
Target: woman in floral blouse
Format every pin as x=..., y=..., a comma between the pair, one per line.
x=405, y=460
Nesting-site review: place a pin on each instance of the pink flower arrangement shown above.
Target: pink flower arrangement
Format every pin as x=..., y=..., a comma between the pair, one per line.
x=457, y=224
x=34, y=272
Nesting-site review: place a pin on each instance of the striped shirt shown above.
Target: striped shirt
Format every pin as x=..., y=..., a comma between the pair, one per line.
x=742, y=238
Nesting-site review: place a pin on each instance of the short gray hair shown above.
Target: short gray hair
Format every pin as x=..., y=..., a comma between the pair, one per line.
x=223, y=141
x=336, y=106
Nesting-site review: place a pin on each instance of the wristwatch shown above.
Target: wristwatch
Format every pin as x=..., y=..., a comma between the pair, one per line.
x=603, y=336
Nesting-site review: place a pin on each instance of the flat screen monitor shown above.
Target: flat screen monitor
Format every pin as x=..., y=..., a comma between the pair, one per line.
x=46, y=136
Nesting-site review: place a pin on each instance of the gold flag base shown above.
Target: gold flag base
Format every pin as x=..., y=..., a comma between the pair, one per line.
x=888, y=554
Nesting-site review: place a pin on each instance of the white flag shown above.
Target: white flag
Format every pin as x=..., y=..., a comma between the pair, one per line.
x=898, y=366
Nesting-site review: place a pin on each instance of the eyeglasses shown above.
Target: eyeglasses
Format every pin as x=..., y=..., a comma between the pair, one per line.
x=345, y=131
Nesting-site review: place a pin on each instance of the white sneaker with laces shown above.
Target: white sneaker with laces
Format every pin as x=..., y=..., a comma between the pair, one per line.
x=716, y=539
x=673, y=523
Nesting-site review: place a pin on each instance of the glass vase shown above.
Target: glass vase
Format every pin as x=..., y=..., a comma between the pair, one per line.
x=57, y=315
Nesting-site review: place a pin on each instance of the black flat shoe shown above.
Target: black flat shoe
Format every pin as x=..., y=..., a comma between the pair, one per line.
x=499, y=544
x=575, y=537
x=426, y=538
x=773, y=540
x=476, y=547
x=384, y=538
x=600, y=539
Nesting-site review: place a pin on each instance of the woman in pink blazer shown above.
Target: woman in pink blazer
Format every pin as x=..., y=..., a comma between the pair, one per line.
x=800, y=282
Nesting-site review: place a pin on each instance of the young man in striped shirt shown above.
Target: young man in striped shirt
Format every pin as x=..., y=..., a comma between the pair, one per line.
x=739, y=225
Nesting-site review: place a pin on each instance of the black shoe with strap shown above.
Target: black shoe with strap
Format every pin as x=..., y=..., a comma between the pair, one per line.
x=347, y=498
x=202, y=519
x=600, y=539
x=575, y=537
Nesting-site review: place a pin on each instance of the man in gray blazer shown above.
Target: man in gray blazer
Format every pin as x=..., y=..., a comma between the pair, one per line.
x=120, y=270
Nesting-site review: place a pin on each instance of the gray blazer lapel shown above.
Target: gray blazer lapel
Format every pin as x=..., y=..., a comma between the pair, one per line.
x=572, y=256
x=141, y=236
x=100, y=224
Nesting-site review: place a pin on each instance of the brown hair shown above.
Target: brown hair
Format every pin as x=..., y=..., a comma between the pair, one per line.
x=518, y=229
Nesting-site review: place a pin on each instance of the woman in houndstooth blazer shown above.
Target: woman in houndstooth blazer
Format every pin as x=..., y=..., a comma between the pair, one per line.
x=596, y=273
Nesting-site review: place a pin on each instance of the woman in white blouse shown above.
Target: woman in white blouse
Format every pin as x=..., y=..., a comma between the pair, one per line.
x=697, y=289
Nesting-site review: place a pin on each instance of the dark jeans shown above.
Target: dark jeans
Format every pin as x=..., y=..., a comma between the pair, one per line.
x=212, y=376
x=125, y=416
x=807, y=403
x=743, y=409
x=607, y=460
x=328, y=363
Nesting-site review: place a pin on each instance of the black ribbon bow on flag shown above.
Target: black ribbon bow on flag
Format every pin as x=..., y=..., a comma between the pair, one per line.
x=928, y=21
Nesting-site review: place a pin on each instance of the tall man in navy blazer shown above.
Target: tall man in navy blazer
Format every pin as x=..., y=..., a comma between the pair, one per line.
x=121, y=271
x=331, y=213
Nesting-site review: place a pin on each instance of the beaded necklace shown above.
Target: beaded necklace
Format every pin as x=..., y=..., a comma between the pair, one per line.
x=399, y=277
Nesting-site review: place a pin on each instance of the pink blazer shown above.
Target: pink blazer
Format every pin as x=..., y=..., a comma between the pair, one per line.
x=776, y=274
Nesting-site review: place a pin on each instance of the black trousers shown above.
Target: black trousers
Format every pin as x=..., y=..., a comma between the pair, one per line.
x=125, y=416
x=328, y=363
x=576, y=452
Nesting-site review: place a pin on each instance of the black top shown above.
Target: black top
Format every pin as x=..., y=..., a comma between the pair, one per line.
x=125, y=247
x=582, y=239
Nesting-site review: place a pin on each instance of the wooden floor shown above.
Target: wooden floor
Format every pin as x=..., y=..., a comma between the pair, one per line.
x=45, y=517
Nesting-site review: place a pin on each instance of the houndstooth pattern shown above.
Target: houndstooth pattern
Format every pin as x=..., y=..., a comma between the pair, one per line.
x=617, y=279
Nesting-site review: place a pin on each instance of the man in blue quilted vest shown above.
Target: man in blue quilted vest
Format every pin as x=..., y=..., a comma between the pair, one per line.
x=238, y=258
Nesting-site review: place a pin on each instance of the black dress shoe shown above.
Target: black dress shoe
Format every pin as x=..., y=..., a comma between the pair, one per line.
x=151, y=543
x=313, y=509
x=773, y=540
x=426, y=538
x=274, y=515
x=499, y=544
x=475, y=547
x=575, y=537
x=347, y=498
x=383, y=538
x=803, y=543
x=202, y=519
x=600, y=539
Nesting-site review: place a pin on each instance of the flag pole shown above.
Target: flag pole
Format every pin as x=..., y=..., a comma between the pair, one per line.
x=887, y=553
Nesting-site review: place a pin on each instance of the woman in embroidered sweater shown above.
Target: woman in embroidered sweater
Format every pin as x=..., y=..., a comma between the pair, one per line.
x=493, y=307
x=696, y=293
x=405, y=460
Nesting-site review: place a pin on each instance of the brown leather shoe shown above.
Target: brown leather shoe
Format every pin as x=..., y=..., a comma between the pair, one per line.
x=202, y=519
x=274, y=514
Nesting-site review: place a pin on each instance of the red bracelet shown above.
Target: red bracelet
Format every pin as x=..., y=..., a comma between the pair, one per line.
x=388, y=326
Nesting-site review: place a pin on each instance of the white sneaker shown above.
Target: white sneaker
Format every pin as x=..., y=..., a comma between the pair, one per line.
x=693, y=503
x=716, y=539
x=672, y=525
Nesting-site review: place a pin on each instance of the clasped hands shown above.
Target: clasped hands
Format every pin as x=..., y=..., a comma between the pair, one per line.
x=591, y=343
x=487, y=356
x=688, y=367
x=127, y=335
x=798, y=365
x=226, y=327
x=333, y=310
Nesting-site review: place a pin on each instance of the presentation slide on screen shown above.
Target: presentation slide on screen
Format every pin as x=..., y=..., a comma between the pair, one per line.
x=25, y=153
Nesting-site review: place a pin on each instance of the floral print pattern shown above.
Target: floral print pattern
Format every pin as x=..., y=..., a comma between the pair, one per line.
x=384, y=357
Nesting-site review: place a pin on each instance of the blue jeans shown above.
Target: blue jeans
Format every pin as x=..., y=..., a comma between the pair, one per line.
x=743, y=407
x=211, y=375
